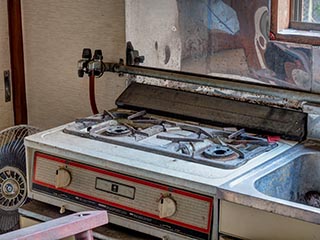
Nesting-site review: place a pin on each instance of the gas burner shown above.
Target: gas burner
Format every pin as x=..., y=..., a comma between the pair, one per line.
x=219, y=152
x=208, y=145
x=117, y=130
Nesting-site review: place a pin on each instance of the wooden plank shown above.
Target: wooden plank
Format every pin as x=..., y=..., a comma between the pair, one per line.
x=44, y=212
x=78, y=224
x=17, y=62
x=280, y=20
x=6, y=108
x=280, y=15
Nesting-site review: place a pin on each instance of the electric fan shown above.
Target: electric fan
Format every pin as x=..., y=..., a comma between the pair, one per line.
x=13, y=184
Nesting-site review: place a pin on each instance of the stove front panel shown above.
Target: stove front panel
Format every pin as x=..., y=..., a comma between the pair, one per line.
x=163, y=206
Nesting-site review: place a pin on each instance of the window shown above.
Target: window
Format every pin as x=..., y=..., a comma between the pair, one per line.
x=305, y=14
x=296, y=21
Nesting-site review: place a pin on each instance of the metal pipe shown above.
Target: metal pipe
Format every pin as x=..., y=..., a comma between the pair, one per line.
x=258, y=89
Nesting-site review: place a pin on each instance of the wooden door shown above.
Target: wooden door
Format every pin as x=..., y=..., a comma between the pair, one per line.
x=6, y=106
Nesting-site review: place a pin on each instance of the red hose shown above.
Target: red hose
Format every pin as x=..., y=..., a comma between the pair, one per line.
x=93, y=104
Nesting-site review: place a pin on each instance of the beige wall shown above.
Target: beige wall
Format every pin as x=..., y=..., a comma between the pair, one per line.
x=55, y=32
x=155, y=33
x=6, y=111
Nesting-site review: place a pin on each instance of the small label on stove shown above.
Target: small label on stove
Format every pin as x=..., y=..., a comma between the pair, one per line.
x=115, y=188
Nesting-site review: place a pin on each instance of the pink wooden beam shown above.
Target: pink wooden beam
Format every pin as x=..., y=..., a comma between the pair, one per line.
x=77, y=224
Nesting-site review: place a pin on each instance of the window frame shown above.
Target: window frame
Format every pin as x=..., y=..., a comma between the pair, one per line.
x=283, y=29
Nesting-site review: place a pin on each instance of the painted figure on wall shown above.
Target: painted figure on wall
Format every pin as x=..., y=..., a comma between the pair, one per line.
x=233, y=38
x=216, y=37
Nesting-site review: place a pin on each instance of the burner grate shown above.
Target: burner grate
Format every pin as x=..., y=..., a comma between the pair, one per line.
x=192, y=142
x=117, y=130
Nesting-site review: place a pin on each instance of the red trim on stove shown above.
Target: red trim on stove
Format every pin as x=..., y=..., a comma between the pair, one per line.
x=128, y=178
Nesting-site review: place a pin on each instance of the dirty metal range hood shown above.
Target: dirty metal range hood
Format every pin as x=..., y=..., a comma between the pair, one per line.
x=234, y=58
x=289, y=124
x=219, y=100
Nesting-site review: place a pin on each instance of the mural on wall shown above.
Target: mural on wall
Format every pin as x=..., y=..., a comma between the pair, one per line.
x=227, y=37
x=218, y=37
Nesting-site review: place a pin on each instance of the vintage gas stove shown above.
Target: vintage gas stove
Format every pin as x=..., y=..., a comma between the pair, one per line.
x=155, y=162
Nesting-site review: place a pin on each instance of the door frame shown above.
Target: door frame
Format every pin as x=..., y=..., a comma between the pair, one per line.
x=17, y=62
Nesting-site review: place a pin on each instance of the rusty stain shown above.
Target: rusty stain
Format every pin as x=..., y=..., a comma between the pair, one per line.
x=167, y=53
x=265, y=100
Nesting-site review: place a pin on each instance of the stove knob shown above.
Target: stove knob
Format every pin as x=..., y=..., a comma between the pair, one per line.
x=63, y=178
x=167, y=207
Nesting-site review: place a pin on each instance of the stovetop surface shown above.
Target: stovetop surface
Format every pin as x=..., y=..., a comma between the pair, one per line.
x=139, y=162
x=225, y=148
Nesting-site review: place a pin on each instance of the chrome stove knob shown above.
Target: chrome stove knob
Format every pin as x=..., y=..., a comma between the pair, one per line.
x=167, y=207
x=63, y=178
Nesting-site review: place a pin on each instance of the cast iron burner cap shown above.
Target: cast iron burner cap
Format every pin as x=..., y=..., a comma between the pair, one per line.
x=117, y=130
x=220, y=153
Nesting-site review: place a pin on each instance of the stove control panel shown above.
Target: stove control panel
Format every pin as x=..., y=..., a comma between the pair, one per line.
x=155, y=204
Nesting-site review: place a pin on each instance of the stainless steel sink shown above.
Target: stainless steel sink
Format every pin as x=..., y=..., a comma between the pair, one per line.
x=280, y=184
x=292, y=180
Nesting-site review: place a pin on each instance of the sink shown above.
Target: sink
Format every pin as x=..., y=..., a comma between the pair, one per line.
x=280, y=184
x=292, y=180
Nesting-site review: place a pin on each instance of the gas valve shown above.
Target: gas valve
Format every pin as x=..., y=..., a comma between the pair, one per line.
x=83, y=63
x=96, y=66
x=167, y=206
x=63, y=178
x=93, y=66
